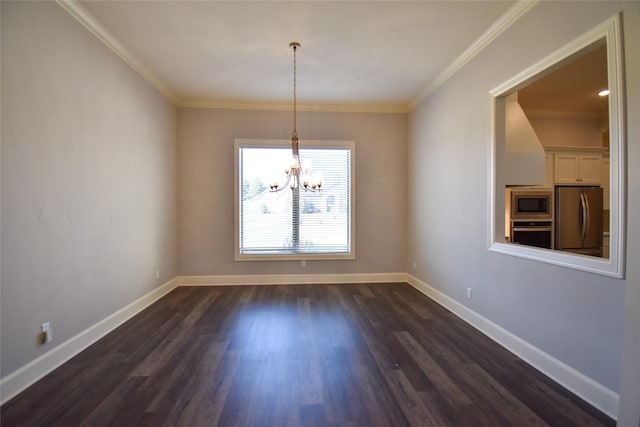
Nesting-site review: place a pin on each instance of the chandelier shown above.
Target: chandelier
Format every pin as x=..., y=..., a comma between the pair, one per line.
x=297, y=175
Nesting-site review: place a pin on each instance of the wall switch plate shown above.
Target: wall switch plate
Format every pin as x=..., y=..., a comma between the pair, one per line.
x=46, y=333
x=469, y=293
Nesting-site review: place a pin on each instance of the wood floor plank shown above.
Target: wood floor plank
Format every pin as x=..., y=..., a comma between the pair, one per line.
x=437, y=376
x=415, y=409
x=298, y=355
x=126, y=398
x=208, y=410
x=309, y=376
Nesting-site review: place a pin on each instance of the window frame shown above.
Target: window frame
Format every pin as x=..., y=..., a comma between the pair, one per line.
x=304, y=144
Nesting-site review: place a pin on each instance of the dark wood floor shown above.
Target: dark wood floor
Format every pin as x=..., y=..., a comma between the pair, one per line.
x=309, y=355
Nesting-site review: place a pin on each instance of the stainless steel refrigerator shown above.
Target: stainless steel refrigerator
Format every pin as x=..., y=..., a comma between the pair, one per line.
x=578, y=220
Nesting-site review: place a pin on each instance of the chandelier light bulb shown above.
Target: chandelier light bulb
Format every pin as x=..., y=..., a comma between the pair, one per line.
x=306, y=166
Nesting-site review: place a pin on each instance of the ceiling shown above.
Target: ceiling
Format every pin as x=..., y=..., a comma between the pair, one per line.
x=378, y=55
x=572, y=88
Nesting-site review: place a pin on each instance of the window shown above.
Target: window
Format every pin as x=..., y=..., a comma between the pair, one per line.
x=293, y=224
x=608, y=33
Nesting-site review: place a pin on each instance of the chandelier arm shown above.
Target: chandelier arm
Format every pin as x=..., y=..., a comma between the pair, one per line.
x=285, y=184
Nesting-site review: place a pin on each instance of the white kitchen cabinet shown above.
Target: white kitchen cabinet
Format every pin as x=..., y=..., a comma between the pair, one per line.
x=576, y=169
x=548, y=170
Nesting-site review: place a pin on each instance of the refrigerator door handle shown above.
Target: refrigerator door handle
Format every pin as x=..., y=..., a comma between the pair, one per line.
x=583, y=216
x=587, y=216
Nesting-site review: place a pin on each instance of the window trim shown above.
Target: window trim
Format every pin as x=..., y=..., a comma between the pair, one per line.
x=304, y=144
x=614, y=266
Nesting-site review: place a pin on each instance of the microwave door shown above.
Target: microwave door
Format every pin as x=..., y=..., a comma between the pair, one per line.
x=569, y=218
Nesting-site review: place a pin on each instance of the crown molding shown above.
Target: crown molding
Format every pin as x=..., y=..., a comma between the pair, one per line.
x=97, y=29
x=502, y=24
x=552, y=149
x=568, y=114
x=323, y=108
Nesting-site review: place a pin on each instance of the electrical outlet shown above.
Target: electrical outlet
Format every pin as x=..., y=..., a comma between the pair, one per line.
x=303, y=263
x=46, y=333
x=414, y=265
x=469, y=293
x=157, y=274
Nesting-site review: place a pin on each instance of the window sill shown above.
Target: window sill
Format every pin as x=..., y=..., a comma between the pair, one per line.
x=296, y=257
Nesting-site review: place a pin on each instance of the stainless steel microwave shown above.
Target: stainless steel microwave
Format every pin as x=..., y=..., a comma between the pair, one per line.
x=531, y=204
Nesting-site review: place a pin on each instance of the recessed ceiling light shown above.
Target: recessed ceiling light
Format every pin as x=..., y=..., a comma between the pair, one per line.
x=604, y=92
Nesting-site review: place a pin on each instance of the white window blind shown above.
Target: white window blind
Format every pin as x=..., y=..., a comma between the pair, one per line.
x=293, y=223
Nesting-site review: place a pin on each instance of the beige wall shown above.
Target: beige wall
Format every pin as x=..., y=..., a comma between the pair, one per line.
x=574, y=316
x=88, y=181
x=629, y=414
x=567, y=131
x=206, y=210
x=89, y=195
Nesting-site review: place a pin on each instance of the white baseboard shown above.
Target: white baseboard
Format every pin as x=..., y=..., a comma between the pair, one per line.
x=596, y=394
x=25, y=376
x=591, y=391
x=291, y=279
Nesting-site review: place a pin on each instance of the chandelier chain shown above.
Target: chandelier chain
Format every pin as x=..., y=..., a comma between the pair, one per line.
x=295, y=133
